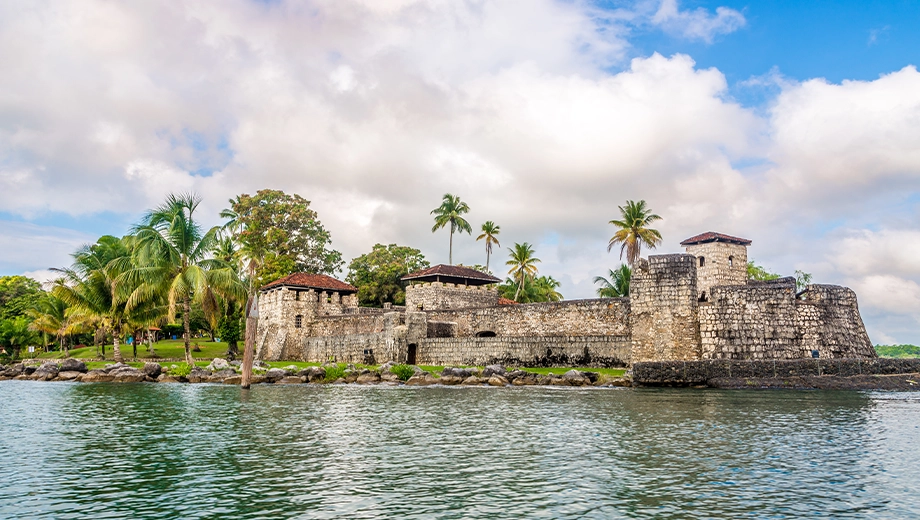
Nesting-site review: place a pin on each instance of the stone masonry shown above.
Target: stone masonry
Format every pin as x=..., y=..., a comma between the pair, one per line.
x=697, y=305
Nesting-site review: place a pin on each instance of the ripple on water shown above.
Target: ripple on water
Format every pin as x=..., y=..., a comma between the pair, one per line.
x=210, y=451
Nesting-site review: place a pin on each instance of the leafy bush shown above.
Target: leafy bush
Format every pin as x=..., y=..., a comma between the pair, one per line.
x=180, y=370
x=334, y=372
x=898, y=351
x=403, y=372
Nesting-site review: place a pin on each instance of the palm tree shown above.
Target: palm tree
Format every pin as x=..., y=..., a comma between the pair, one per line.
x=523, y=265
x=489, y=231
x=449, y=212
x=50, y=316
x=633, y=232
x=174, y=259
x=233, y=218
x=617, y=286
x=96, y=289
x=546, y=289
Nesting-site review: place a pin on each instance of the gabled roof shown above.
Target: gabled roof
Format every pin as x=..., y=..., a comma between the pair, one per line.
x=312, y=281
x=712, y=236
x=451, y=274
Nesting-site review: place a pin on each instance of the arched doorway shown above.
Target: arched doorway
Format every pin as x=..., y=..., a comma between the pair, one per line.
x=485, y=334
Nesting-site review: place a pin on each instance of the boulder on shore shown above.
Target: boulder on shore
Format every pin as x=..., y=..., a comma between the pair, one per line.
x=491, y=370
x=152, y=369
x=497, y=380
x=218, y=364
x=423, y=379
x=96, y=376
x=368, y=377
x=46, y=372
x=73, y=365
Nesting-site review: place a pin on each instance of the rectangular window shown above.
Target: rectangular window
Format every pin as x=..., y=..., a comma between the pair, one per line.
x=298, y=321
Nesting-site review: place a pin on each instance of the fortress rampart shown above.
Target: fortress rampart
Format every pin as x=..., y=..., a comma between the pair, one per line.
x=682, y=307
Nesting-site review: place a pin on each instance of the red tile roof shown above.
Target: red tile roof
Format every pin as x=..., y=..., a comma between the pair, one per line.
x=312, y=281
x=506, y=301
x=451, y=271
x=711, y=236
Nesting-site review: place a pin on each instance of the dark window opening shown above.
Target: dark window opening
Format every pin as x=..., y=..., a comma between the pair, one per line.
x=731, y=261
x=485, y=334
x=412, y=354
x=298, y=321
x=703, y=297
x=702, y=261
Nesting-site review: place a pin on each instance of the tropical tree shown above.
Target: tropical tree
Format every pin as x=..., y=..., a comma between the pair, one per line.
x=173, y=257
x=539, y=289
x=523, y=265
x=633, y=232
x=802, y=279
x=489, y=232
x=378, y=274
x=16, y=333
x=617, y=285
x=18, y=294
x=96, y=290
x=450, y=212
x=757, y=272
x=50, y=317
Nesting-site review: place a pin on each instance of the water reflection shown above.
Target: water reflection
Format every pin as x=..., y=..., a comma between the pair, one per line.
x=202, y=451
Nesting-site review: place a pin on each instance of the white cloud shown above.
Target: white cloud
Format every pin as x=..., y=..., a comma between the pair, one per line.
x=697, y=24
x=374, y=110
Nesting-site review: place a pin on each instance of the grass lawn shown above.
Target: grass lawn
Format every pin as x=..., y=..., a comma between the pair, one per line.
x=169, y=348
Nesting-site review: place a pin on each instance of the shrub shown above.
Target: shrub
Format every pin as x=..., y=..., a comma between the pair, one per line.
x=403, y=372
x=180, y=370
x=334, y=372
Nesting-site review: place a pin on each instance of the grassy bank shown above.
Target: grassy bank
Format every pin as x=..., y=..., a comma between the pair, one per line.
x=169, y=348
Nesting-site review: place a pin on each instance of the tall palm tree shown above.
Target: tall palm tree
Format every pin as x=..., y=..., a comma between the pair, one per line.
x=617, y=286
x=449, y=212
x=174, y=259
x=523, y=265
x=633, y=232
x=489, y=232
x=96, y=289
x=50, y=316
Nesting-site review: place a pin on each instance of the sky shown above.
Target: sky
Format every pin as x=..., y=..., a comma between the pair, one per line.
x=793, y=124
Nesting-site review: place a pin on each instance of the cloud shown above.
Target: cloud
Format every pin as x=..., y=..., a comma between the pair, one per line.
x=697, y=24
x=531, y=111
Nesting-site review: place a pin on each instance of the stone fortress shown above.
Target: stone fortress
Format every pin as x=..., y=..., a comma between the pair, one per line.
x=698, y=305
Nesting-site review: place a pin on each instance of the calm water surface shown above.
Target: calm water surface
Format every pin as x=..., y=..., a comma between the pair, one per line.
x=210, y=451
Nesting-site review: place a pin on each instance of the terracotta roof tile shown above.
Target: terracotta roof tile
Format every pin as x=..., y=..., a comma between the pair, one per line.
x=312, y=281
x=451, y=271
x=711, y=236
x=506, y=301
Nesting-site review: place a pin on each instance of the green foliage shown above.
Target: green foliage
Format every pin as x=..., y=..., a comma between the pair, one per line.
x=281, y=235
x=450, y=212
x=229, y=328
x=180, y=370
x=377, y=274
x=802, y=279
x=633, y=232
x=756, y=272
x=18, y=294
x=540, y=289
x=16, y=334
x=334, y=372
x=523, y=265
x=618, y=284
x=403, y=372
x=489, y=233
x=898, y=351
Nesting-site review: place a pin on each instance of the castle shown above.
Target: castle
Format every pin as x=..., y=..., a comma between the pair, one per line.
x=690, y=306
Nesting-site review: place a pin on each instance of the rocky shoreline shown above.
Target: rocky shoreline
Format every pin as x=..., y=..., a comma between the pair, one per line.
x=220, y=371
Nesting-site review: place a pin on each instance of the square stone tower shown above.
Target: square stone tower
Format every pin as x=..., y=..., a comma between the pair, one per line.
x=720, y=260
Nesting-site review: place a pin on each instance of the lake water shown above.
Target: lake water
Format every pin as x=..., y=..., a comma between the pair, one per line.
x=210, y=451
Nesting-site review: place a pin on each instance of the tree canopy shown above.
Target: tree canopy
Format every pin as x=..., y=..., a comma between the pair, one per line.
x=450, y=213
x=633, y=232
x=18, y=294
x=617, y=285
x=282, y=235
x=377, y=274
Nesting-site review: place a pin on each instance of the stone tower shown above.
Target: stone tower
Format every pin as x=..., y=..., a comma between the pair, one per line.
x=720, y=260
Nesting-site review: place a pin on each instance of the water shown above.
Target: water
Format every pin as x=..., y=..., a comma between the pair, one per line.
x=210, y=451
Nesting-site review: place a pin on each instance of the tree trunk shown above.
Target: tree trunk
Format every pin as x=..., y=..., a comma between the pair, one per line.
x=186, y=311
x=487, y=260
x=252, y=324
x=450, y=252
x=115, y=350
x=233, y=350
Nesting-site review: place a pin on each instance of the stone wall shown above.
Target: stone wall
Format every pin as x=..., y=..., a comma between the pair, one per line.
x=723, y=264
x=663, y=303
x=595, y=317
x=767, y=320
x=756, y=321
x=591, y=351
x=699, y=372
x=437, y=295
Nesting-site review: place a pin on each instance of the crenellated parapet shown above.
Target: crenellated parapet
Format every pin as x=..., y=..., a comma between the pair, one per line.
x=432, y=296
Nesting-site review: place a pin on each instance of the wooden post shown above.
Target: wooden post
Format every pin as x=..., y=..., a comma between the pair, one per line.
x=252, y=324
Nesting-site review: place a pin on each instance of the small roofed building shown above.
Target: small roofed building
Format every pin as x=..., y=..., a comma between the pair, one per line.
x=313, y=294
x=443, y=287
x=720, y=260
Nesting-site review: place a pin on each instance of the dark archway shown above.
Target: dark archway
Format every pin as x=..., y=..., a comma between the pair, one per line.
x=485, y=334
x=412, y=354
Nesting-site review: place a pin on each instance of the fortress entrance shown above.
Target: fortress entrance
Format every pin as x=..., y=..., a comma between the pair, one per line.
x=412, y=354
x=485, y=334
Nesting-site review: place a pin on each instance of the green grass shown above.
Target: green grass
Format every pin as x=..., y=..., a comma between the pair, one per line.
x=169, y=348
x=898, y=351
